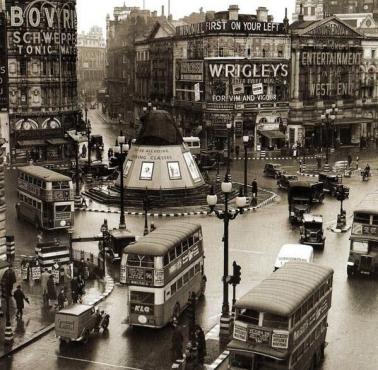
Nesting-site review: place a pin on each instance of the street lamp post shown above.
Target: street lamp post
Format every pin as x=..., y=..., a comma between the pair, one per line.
x=104, y=231
x=229, y=127
x=121, y=150
x=146, y=205
x=245, y=142
x=227, y=215
x=328, y=118
x=77, y=169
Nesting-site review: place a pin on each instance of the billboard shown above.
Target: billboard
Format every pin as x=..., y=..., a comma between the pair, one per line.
x=42, y=27
x=3, y=65
x=245, y=81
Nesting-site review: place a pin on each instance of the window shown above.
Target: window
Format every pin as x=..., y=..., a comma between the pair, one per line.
x=197, y=268
x=186, y=277
x=172, y=255
x=185, y=246
x=363, y=218
x=191, y=273
x=179, y=283
x=250, y=316
x=142, y=297
x=178, y=250
x=166, y=260
x=220, y=52
x=173, y=288
x=274, y=321
x=373, y=53
x=280, y=53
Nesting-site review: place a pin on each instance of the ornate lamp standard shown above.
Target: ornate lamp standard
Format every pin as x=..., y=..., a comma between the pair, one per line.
x=328, y=119
x=122, y=150
x=104, y=230
x=227, y=215
x=245, y=142
x=229, y=127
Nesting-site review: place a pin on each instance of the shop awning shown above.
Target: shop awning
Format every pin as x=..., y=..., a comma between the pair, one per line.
x=273, y=134
x=340, y=122
x=57, y=141
x=36, y=142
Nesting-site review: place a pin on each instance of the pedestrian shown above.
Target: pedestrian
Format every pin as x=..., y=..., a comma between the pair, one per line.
x=44, y=279
x=319, y=161
x=237, y=151
x=201, y=344
x=177, y=342
x=357, y=160
x=254, y=188
x=51, y=292
x=349, y=160
x=80, y=287
x=19, y=297
x=152, y=227
x=74, y=289
x=61, y=299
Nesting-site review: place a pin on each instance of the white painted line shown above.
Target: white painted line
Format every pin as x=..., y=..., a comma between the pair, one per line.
x=96, y=362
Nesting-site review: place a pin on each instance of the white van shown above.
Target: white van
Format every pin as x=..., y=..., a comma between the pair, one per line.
x=193, y=143
x=294, y=252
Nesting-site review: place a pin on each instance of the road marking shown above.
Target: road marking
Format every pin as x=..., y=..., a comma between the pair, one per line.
x=245, y=251
x=97, y=362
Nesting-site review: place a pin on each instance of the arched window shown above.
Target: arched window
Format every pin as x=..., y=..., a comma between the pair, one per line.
x=263, y=120
x=278, y=120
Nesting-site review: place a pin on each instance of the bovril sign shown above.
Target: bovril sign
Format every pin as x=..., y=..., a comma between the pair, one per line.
x=42, y=28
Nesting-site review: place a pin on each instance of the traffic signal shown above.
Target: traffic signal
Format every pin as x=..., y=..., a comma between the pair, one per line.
x=236, y=273
x=341, y=194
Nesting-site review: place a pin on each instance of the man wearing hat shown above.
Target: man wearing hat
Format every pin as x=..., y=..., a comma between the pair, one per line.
x=19, y=297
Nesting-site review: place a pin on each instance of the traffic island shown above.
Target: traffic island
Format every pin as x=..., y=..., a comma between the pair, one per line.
x=337, y=229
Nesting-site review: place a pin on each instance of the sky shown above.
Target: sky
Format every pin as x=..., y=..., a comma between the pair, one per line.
x=93, y=12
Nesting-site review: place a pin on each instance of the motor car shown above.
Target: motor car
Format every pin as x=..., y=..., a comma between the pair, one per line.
x=273, y=170
x=294, y=252
x=100, y=171
x=285, y=179
x=97, y=142
x=75, y=323
x=332, y=182
x=300, y=196
x=118, y=239
x=312, y=231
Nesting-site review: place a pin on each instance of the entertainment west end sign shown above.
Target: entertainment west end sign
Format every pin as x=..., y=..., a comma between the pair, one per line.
x=43, y=28
x=225, y=26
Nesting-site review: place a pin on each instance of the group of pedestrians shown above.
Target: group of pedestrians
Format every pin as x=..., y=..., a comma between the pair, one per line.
x=195, y=351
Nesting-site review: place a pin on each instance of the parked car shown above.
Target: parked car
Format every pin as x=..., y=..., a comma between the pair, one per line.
x=293, y=252
x=285, y=179
x=312, y=231
x=273, y=170
x=332, y=182
x=76, y=323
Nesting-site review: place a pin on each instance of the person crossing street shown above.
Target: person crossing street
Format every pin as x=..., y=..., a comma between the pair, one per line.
x=20, y=297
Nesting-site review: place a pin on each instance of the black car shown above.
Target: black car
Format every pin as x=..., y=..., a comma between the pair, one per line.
x=97, y=142
x=273, y=170
x=332, y=182
x=312, y=230
x=101, y=170
x=285, y=179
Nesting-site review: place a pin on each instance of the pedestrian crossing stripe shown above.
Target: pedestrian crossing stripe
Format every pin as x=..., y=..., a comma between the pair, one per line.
x=221, y=358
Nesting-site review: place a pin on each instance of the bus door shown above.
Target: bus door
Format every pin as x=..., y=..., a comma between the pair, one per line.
x=47, y=215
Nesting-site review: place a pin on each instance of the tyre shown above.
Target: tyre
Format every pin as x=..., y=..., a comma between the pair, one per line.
x=85, y=336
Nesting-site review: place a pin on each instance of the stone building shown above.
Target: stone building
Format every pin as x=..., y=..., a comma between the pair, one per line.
x=230, y=68
x=91, y=63
x=42, y=78
x=326, y=61
x=128, y=25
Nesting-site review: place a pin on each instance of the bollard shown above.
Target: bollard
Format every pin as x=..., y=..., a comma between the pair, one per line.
x=11, y=249
x=89, y=177
x=77, y=201
x=8, y=334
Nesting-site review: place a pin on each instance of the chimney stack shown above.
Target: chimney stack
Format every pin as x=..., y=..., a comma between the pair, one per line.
x=300, y=16
x=169, y=8
x=262, y=14
x=233, y=12
x=162, y=10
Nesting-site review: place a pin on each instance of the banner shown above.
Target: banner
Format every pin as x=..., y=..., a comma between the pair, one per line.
x=3, y=64
x=41, y=27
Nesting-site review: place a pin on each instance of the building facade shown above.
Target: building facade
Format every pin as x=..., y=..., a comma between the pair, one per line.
x=129, y=24
x=42, y=79
x=229, y=68
x=326, y=61
x=91, y=63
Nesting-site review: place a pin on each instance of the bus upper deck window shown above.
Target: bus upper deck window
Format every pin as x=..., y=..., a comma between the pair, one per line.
x=275, y=321
x=172, y=255
x=375, y=220
x=166, y=260
x=185, y=245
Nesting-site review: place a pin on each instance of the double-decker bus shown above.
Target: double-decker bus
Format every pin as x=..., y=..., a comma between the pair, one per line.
x=161, y=270
x=363, y=254
x=45, y=198
x=281, y=324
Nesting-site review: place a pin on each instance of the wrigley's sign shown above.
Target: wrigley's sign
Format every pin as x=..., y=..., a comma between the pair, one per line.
x=248, y=70
x=224, y=26
x=42, y=28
